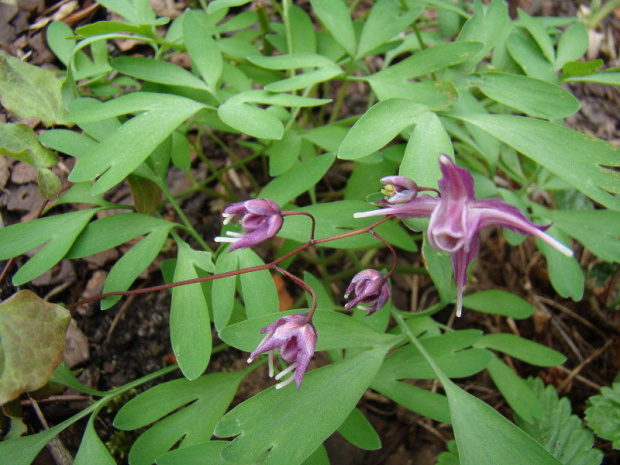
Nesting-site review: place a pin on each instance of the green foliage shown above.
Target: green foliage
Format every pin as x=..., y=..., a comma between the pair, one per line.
x=271, y=87
x=603, y=414
x=560, y=432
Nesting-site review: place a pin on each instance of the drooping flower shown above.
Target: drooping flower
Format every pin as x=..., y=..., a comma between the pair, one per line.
x=261, y=219
x=456, y=217
x=398, y=189
x=372, y=291
x=296, y=339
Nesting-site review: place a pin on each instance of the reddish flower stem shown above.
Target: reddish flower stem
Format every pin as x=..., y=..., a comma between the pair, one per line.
x=267, y=266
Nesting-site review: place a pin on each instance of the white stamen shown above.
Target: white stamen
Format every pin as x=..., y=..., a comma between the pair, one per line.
x=227, y=217
x=285, y=383
x=364, y=214
x=285, y=372
x=232, y=240
x=250, y=360
x=271, y=363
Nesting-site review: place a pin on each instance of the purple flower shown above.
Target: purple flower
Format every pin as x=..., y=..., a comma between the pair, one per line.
x=456, y=217
x=372, y=291
x=398, y=189
x=261, y=220
x=296, y=339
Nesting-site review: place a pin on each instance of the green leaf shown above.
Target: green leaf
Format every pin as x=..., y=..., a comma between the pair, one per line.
x=336, y=331
x=426, y=403
x=523, y=349
x=527, y=54
x=257, y=288
x=324, y=401
x=534, y=97
x=134, y=11
x=335, y=17
x=19, y=141
x=558, y=431
x=203, y=50
x=538, y=32
x=32, y=341
x=223, y=289
x=190, y=327
x=378, y=126
x=251, y=120
x=516, y=392
x=452, y=351
x=284, y=153
x=486, y=25
x=428, y=139
x=298, y=180
x=125, y=149
x=335, y=218
x=58, y=231
x=358, y=431
x=206, y=452
x=499, y=302
x=27, y=90
x=564, y=272
x=603, y=414
x=449, y=457
x=111, y=231
x=184, y=411
x=560, y=150
x=573, y=45
x=61, y=41
x=216, y=5
x=440, y=269
x=131, y=265
x=145, y=193
x=609, y=78
x=92, y=451
x=162, y=72
x=428, y=61
x=386, y=20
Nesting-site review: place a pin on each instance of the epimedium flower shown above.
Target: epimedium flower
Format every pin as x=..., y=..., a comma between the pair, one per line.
x=296, y=338
x=372, y=291
x=456, y=216
x=261, y=219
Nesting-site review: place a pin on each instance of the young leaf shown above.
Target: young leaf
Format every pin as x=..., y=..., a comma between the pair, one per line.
x=185, y=411
x=324, y=401
x=603, y=414
x=335, y=17
x=560, y=150
x=561, y=433
x=125, y=149
x=538, y=32
x=27, y=90
x=499, y=302
x=127, y=269
x=190, y=327
x=527, y=54
x=378, y=126
x=32, y=341
x=250, y=119
x=158, y=71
